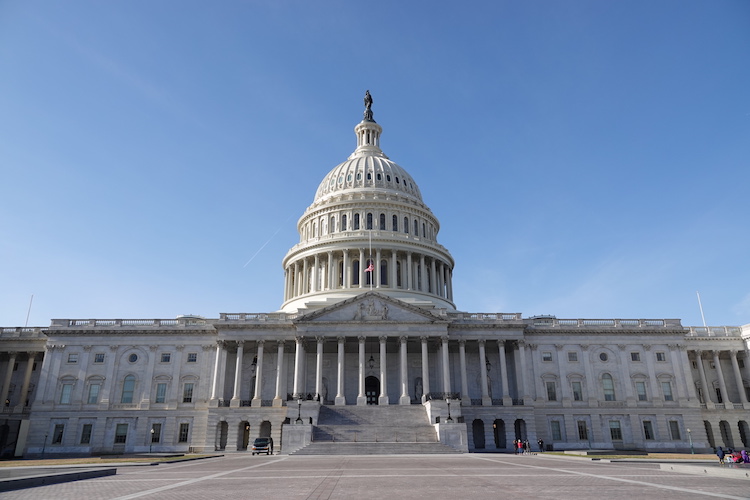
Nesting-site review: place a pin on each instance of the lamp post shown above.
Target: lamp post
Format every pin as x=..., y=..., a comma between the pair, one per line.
x=299, y=411
x=449, y=419
x=151, y=443
x=690, y=437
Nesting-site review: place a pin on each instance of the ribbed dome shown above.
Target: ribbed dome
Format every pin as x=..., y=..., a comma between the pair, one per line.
x=367, y=171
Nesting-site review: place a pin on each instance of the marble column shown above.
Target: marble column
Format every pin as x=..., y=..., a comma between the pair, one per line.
x=277, y=399
x=383, y=399
x=215, y=392
x=738, y=376
x=522, y=355
x=331, y=274
x=257, y=396
x=340, y=398
x=404, y=399
x=422, y=274
x=720, y=376
x=362, y=267
x=707, y=396
x=446, y=368
x=347, y=271
x=238, y=375
x=503, y=391
x=409, y=275
x=8, y=375
x=433, y=278
x=27, y=379
x=677, y=366
x=486, y=400
x=298, y=375
x=319, y=370
x=394, y=268
x=361, y=398
x=315, y=285
x=376, y=269
x=464, y=379
x=425, y=370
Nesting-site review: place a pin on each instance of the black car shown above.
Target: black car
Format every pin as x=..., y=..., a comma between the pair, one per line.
x=263, y=445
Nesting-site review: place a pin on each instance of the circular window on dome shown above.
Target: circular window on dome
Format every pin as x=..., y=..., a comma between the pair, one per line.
x=349, y=178
x=133, y=358
x=359, y=176
x=388, y=178
x=341, y=179
x=369, y=176
x=380, y=177
x=603, y=356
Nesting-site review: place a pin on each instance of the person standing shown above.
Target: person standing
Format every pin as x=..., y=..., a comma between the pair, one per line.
x=540, y=442
x=720, y=454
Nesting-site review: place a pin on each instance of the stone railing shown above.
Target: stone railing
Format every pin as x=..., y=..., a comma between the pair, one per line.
x=713, y=331
x=127, y=323
x=21, y=331
x=366, y=234
x=461, y=316
x=258, y=317
x=548, y=322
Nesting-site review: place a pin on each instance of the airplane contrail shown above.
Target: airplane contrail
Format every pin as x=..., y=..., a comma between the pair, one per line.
x=266, y=243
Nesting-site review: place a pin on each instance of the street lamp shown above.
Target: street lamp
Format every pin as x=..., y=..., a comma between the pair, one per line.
x=690, y=437
x=299, y=411
x=449, y=419
x=151, y=443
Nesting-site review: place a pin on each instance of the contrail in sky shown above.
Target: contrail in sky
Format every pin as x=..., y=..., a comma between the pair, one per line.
x=266, y=243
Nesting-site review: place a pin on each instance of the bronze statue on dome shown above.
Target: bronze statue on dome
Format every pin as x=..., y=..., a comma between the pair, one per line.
x=368, y=107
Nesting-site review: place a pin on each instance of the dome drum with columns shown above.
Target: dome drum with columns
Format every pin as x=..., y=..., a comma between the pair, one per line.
x=368, y=211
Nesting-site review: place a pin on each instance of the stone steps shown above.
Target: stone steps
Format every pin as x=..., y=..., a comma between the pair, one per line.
x=374, y=449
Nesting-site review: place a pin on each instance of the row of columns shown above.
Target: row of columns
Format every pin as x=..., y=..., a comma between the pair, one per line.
x=383, y=398
x=303, y=276
x=707, y=396
x=8, y=375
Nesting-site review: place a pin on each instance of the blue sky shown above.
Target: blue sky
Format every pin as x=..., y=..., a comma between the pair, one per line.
x=587, y=159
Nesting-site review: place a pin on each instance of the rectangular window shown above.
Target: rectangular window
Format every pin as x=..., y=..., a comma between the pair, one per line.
x=674, y=430
x=166, y=357
x=161, y=393
x=99, y=357
x=184, y=430
x=635, y=356
x=719, y=399
x=121, y=433
x=73, y=357
x=57, y=434
x=660, y=356
x=614, y=430
x=577, y=391
x=572, y=356
x=648, y=430
x=666, y=388
x=155, y=433
x=640, y=388
x=93, y=394
x=67, y=390
x=551, y=393
x=741, y=363
x=583, y=431
x=86, y=433
x=187, y=393
x=546, y=356
x=556, y=432
x=192, y=357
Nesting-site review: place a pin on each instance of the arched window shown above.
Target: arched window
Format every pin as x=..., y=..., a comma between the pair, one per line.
x=343, y=222
x=128, y=387
x=608, y=386
x=416, y=227
x=382, y=222
x=406, y=224
x=398, y=274
x=424, y=231
x=356, y=222
x=369, y=221
x=384, y=272
x=395, y=223
x=333, y=224
x=355, y=272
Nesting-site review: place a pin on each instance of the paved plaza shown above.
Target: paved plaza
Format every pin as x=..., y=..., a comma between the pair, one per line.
x=474, y=476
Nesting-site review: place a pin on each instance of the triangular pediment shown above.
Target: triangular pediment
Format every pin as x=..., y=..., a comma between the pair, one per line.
x=371, y=307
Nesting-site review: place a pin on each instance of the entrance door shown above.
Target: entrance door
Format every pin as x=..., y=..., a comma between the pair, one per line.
x=372, y=390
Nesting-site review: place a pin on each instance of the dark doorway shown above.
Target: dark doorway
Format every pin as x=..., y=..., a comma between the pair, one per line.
x=372, y=390
x=498, y=426
x=477, y=430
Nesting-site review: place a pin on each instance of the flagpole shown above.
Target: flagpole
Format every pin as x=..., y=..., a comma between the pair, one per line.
x=372, y=273
x=701, y=307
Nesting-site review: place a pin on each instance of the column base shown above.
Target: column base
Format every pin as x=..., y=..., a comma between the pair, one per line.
x=361, y=401
x=487, y=401
x=383, y=400
x=340, y=401
x=277, y=402
x=404, y=400
x=255, y=402
x=234, y=403
x=213, y=403
x=508, y=401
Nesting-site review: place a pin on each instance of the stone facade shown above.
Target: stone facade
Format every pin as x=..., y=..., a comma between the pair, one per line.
x=368, y=318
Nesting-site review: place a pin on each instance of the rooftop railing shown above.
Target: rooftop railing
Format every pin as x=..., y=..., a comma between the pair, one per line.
x=279, y=317
x=713, y=331
x=138, y=323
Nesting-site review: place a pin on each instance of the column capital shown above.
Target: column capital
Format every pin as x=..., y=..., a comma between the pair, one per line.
x=444, y=339
x=559, y=347
x=281, y=343
x=481, y=342
x=500, y=342
x=423, y=338
x=261, y=342
x=462, y=342
x=647, y=347
x=319, y=339
x=403, y=338
x=521, y=343
x=584, y=347
x=220, y=344
x=240, y=343
x=383, y=339
x=179, y=347
x=299, y=339
x=114, y=347
x=207, y=347
x=87, y=348
x=153, y=347
x=622, y=347
x=340, y=339
x=361, y=339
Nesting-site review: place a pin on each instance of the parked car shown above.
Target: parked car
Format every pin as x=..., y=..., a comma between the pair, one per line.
x=263, y=445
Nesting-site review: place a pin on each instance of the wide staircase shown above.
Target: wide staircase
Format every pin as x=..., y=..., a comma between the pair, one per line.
x=373, y=430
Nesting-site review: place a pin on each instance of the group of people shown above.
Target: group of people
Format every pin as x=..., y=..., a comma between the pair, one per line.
x=521, y=446
x=732, y=456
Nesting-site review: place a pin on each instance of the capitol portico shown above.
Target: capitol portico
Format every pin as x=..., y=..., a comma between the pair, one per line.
x=369, y=353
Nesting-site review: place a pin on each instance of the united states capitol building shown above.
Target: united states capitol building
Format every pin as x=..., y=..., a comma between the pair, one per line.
x=369, y=354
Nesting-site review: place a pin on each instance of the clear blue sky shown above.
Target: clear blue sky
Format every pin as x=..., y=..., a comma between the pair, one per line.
x=587, y=159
